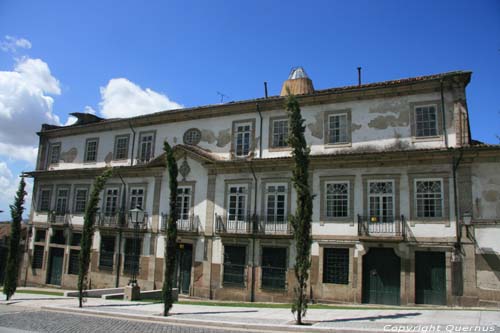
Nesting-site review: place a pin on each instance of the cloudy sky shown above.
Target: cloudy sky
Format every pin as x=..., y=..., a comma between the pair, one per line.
x=125, y=58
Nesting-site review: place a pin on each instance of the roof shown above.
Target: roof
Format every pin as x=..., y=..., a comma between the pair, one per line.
x=194, y=112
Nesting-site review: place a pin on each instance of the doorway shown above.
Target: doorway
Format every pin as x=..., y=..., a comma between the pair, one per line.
x=56, y=257
x=182, y=278
x=381, y=277
x=430, y=278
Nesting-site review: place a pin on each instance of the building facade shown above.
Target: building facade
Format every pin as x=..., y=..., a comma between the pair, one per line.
x=406, y=204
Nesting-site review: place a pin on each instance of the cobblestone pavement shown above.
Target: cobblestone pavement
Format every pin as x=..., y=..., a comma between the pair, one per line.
x=47, y=321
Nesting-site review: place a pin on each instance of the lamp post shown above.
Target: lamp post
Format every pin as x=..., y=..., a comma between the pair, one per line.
x=136, y=216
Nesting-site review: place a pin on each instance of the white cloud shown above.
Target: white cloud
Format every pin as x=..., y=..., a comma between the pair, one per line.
x=122, y=98
x=21, y=153
x=11, y=44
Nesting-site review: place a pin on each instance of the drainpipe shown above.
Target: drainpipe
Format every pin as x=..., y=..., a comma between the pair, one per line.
x=260, y=131
x=456, y=163
x=133, y=144
x=121, y=224
x=254, y=230
x=444, y=116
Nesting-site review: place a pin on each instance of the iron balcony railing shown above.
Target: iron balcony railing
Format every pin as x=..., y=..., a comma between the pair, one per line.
x=56, y=217
x=189, y=224
x=381, y=226
x=252, y=224
x=116, y=220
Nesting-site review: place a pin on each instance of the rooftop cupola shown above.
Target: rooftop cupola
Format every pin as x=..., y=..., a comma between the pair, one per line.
x=298, y=83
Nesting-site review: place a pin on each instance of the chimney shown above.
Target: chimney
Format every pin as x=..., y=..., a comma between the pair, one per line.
x=298, y=83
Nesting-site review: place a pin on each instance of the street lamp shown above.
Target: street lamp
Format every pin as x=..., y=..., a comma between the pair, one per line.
x=137, y=217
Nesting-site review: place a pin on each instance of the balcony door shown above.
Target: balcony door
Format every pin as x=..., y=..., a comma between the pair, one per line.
x=381, y=207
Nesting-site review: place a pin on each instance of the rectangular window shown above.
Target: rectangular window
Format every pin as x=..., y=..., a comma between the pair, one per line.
x=381, y=201
x=337, y=199
x=280, y=133
x=37, y=261
x=107, y=252
x=80, y=200
x=55, y=153
x=58, y=237
x=183, y=202
x=276, y=200
x=91, y=150
x=111, y=202
x=237, y=199
x=336, y=265
x=146, y=146
x=40, y=235
x=76, y=238
x=426, y=121
x=137, y=197
x=62, y=196
x=132, y=255
x=429, y=198
x=337, y=129
x=273, y=268
x=44, y=200
x=121, y=147
x=242, y=137
x=234, y=265
x=74, y=260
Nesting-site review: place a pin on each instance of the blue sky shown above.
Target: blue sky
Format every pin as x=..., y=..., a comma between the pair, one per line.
x=102, y=56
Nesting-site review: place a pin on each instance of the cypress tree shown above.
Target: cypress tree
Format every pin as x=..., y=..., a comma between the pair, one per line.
x=171, y=231
x=88, y=232
x=301, y=220
x=12, y=272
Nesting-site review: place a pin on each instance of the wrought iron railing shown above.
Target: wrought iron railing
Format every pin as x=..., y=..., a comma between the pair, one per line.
x=234, y=224
x=56, y=217
x=249, y=224
x=183, y=225
x=381, y=226
x=233, y=275
x=115, y=220
x=274, y=225
x=273, y=277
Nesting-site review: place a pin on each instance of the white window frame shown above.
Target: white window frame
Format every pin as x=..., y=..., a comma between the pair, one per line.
x=244, y=135
x=52, y=160
x=278, y=135
x=143, y=154
x=86, y=156
x=381, y=196
x=75, y=199
x=348, y=208
x=116, y=204
x=63, y=199
x=237, y=195
x=117, y=139
x=415, y=193
x=135, y=197
x=436, y=120
x=346, y=129
x=184, y=200
x=44, y=189
x=275, y=208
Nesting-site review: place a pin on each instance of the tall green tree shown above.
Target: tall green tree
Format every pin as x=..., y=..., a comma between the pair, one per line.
x=12, y=272
x=301, y=220
x=171, y=231
x=88, y=232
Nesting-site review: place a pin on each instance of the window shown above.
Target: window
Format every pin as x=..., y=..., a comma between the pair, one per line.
x=55, y=153
x=80, y=200
x=381, y=201
x=58, y=237
x=336, y=265
x=276, y=200
x=242, y=138
x=121, y=147
x=137, y=197
x=91, y=150
x=429, y=198
x=426, y=121
x=237, y=203
x=40, y=235
x=62, y=201
x=37, y=261
x=183, y=202
x=279, y=133
x=273, y=268
x=74, y=260
x=338, y=128
x=132, y=255
x=107, y=252
x=146, y=146
x=337, y=199
x=192, y=136
x=76, y=238
x=234, y=265
x=44, y=200
x=111, y=202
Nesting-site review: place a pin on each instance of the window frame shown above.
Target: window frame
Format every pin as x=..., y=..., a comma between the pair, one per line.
x=395, y=179
x=272, y=146
x=71, y=257
x=439, y=121
x=226, y=284
x=75, y=197
x=275, y=182
x=346, y=274
x=104, y=267
x=441, y=197
x=191, y=187
x=39, y=204
x=445, y=191
x=68, y=197
x=104, y=196
x=251, y=138
x=140, y=144
x=144, y=187
x=86, y=153
x=348, y=128
x=35, y=264
x=248, y=199
x=115, y=150
x=324, y=181
x=51, y=151
x=263, y=268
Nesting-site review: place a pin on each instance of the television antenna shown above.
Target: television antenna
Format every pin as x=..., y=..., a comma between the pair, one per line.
x=222, y=95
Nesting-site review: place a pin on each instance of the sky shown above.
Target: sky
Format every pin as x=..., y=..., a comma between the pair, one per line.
x=124, y=58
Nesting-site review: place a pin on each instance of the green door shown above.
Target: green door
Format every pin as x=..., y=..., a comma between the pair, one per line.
x=430, y=278
x=55, y=266
x=183, y=271
x=381, y=277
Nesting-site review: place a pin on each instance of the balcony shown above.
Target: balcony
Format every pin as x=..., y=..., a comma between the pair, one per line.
x=58, y=218
x=188, y=225
x=115, y=221
x=244, y=224
x=381, y=227
x=274, y=225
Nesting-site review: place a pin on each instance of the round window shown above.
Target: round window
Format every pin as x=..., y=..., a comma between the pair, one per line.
x=192, y=136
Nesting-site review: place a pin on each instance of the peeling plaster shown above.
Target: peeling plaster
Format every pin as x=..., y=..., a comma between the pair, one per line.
x=108, y=158
x=383, y=122
x=355, y=127
x=223, y=138
x=316, y=127
x=491, y=195
x=69, y=156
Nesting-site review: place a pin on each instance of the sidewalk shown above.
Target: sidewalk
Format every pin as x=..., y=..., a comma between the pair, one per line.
x=272, y=319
